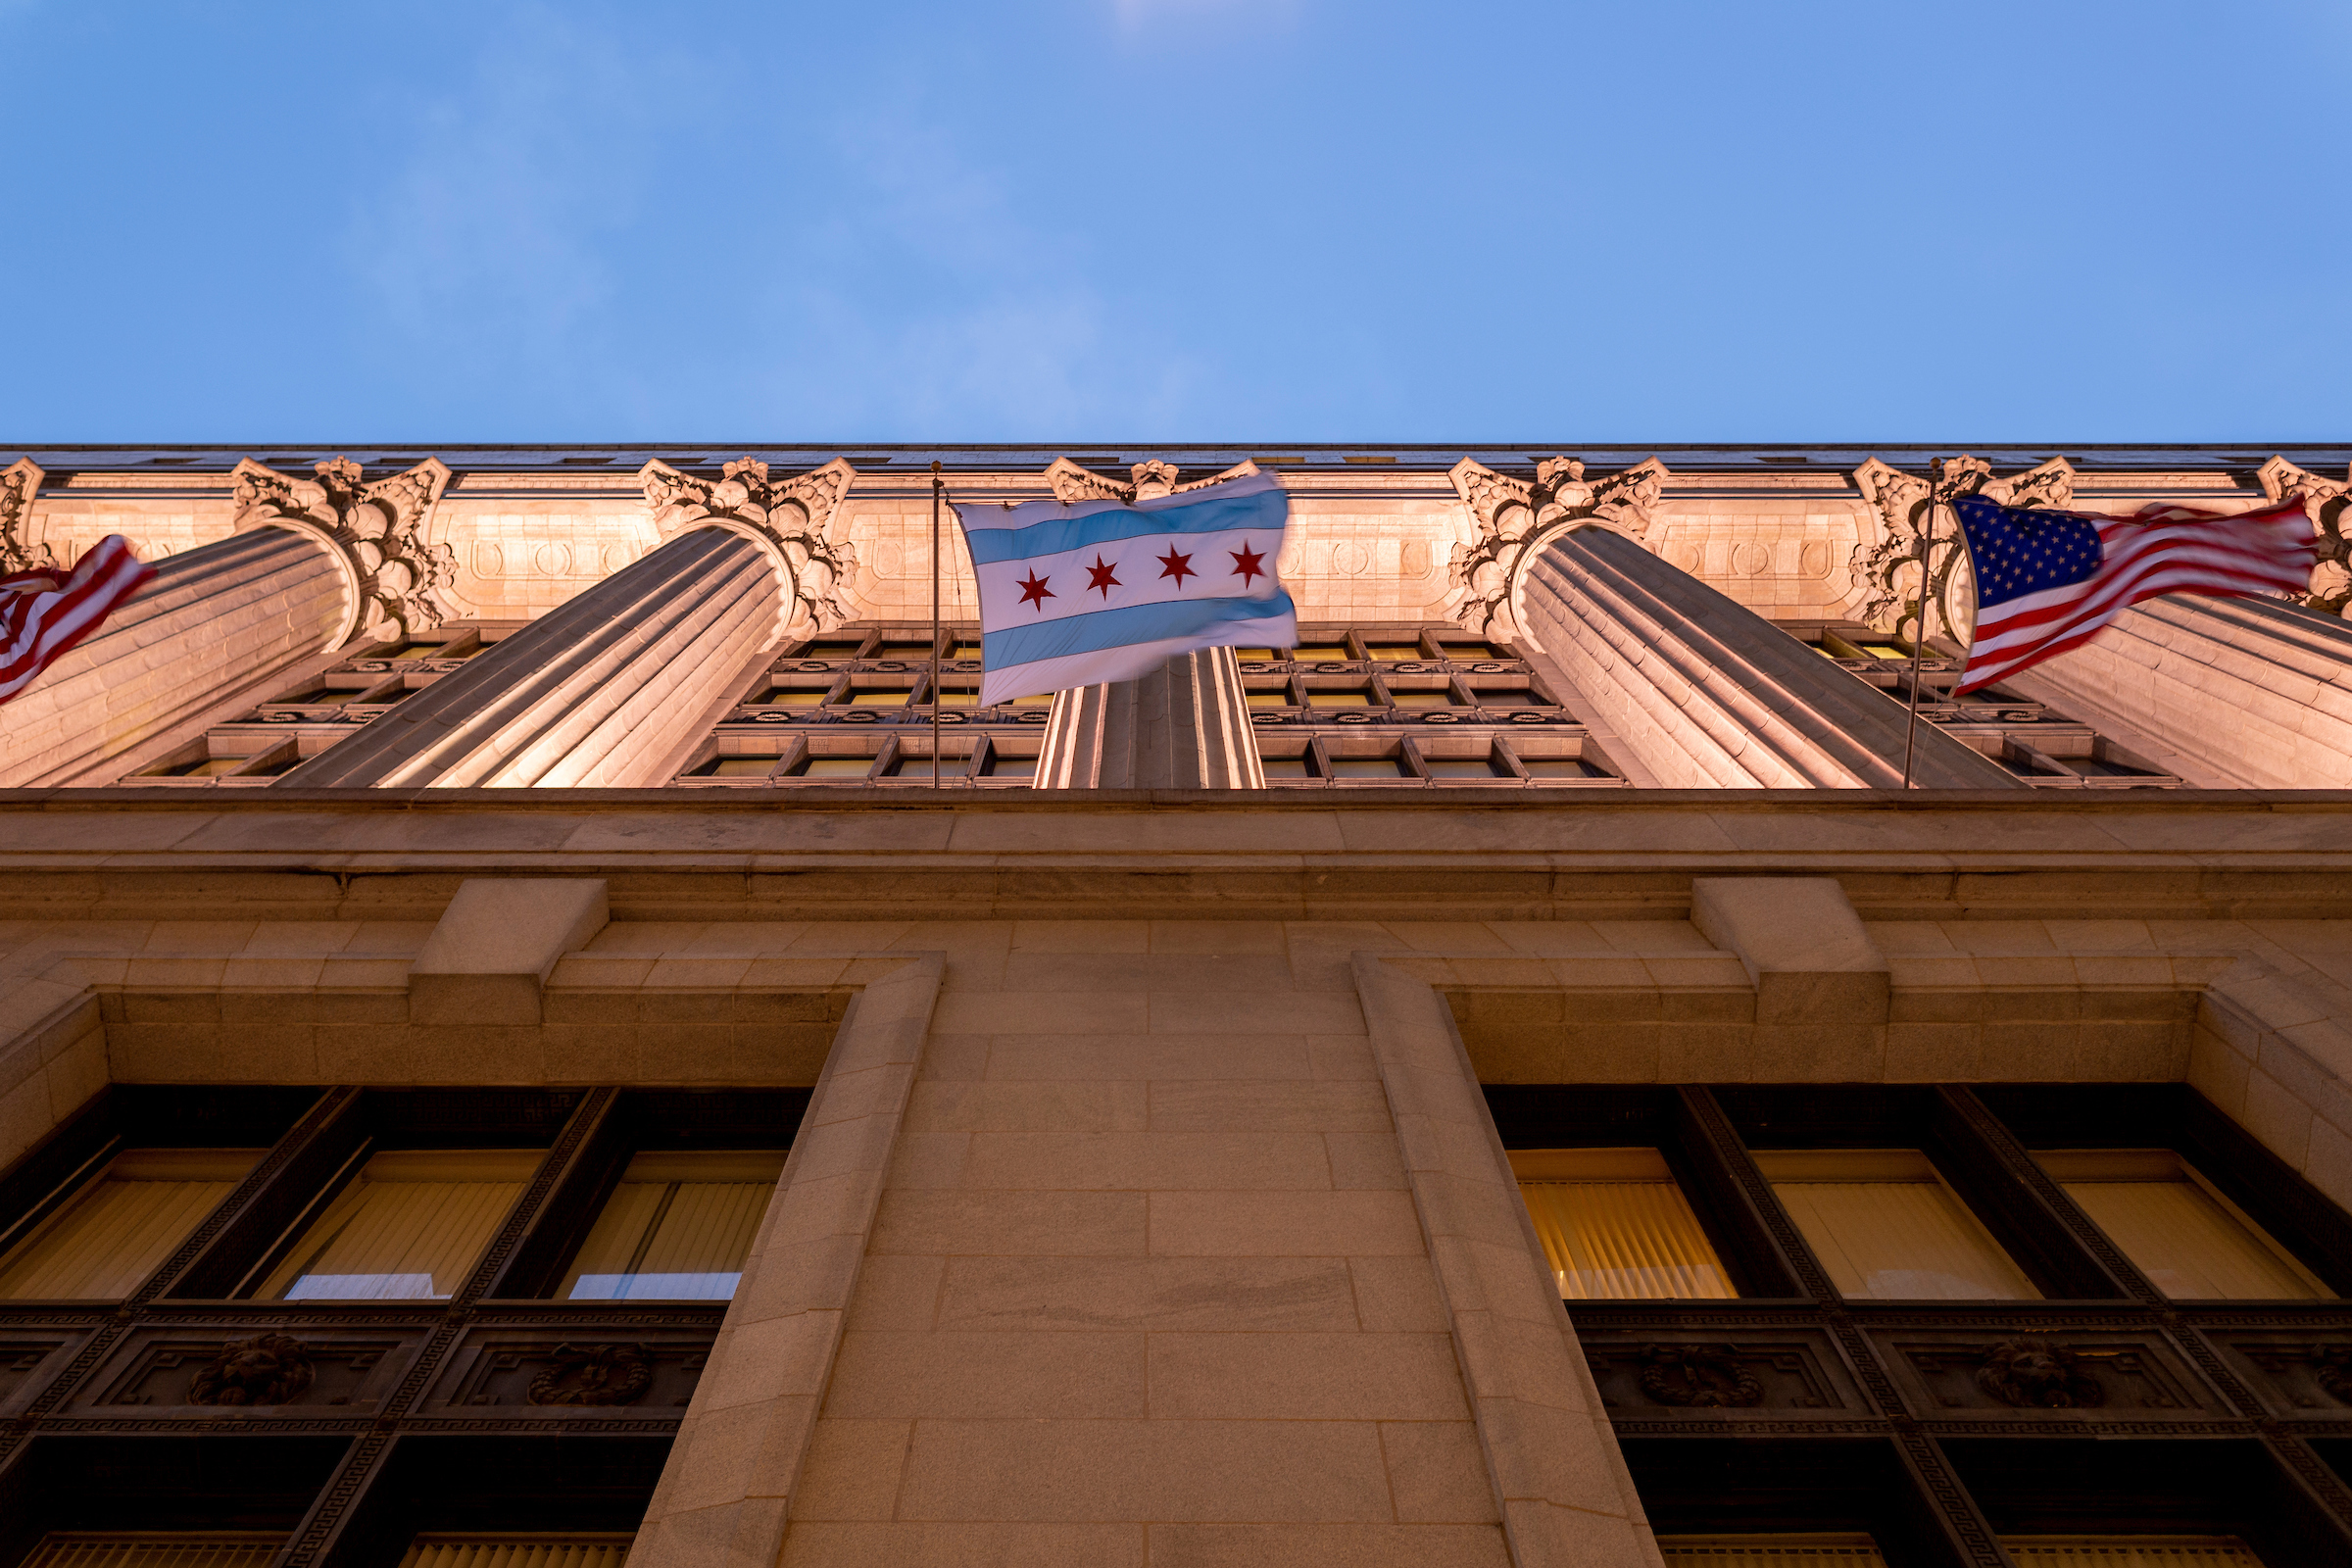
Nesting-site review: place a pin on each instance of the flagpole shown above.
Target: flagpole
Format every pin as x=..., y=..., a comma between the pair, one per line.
x=1919, y=624
x=937, y=485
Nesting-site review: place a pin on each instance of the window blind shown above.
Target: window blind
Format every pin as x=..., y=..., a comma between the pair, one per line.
x=677, y=1227
x=518, y=1551
x=118, y=1229
x=1615, y=1227
x=1885, y=1225
x=2130, y=1551
x=2187, y=1239
x=1770, y=1551
x=72, y=1548
x=408, y=1227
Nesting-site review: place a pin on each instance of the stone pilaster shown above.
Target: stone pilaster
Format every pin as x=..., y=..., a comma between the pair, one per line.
x=221, y=623
x=1707, y=693
x=1185, y=725
x=606, y=689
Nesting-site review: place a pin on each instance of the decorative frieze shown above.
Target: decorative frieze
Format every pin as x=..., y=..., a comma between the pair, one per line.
x=379, y=531
x=1885, y=569
x=797, y=519
x=1512, y=515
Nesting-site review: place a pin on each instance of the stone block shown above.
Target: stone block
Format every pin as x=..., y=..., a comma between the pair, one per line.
x=488, y=959
x=1805, y=950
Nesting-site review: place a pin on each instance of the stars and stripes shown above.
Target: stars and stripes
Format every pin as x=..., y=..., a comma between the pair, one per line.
x=1075, y=594
x=2048, y=581
x=45, y=611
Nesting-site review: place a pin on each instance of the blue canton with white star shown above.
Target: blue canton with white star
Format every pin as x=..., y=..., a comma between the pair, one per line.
x=2019, y=552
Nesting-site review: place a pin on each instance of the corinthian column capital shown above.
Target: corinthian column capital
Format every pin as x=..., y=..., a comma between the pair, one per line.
x=797, y=519
x=20, y=481
x=378, y=531
x=1150, y=480
x=1512, y=515
x=2326, y=502
x=1886, y=568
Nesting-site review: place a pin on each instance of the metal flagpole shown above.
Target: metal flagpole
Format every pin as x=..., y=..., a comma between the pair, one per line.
x=1919, y=623
x=937, y=486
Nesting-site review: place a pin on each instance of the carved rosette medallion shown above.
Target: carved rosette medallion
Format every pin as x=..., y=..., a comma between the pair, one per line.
x=1514, y=517
x=1698, y=1377
x=1150, y=480
x=2035, y=1373
x=20, y=482
x=266, y=1369
x=597, y=1374
x=397, y=575
x=797, y=519
x=1886, y=568
x=2326, y=502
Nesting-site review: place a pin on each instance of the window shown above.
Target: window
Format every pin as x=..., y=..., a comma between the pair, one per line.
x=410, y=1226
x=1770, y=1551
x=677, y=1227
x=2130, y=1551
x=1614, y=1225
x=155, y=1549
x=1885, y=1224
x=108, y=1238
x=2188, y=1239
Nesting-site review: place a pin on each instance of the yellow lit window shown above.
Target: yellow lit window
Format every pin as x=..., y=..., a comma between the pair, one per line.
x=965, y=650
x=1885, y=651
x=1615, y=1227
x=876, y=697
x=677, y=1227
x=1885, y=1224
x=118, y=1229
x=1032, y=700
x=1393, y=652
x=1272, y=697
x=1259, y=656
x=792, y=697
x=408, y=1227
x=1472, y=652
x=2130, y=1551
x=478, y=1550
x=140, y=1548
x=1320, y=652
x=1348, y=698
x=2187, y=1239
x=958, y=696
x=1770, y=1551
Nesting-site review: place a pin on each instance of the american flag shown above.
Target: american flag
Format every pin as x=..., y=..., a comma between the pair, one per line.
x=2048, y=581
x=48, y=610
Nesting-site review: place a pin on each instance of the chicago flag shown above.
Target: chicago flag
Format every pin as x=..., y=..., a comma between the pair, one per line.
x=1076, y=594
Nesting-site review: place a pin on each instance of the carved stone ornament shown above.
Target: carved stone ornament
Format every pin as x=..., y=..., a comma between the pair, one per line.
x=266, y=1369
x=397, y=575
x=798, y=518
x=2035, y=1373
x=20, y=481
x=1150, y=480
x=2332, y=1369
x=1698, y=1376
x=2326, y=502
x=1512, y=515
x=1885, y=569
x=597, y=1374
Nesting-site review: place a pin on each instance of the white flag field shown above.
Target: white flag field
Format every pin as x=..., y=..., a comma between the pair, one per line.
x=1076, y=594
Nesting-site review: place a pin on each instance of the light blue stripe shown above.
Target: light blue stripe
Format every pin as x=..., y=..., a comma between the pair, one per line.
x=1264, y=510
x=1098, y=629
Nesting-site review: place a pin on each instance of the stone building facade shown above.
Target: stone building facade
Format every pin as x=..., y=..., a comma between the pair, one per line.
x=542, y=1023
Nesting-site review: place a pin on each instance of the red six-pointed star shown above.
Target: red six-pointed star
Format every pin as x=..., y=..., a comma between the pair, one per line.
x=1245, y=565
x=1099, y=576
x=1035, y=592
x=1175, y=565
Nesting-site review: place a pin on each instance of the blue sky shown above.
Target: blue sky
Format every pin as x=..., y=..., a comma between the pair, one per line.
x=1181, y=220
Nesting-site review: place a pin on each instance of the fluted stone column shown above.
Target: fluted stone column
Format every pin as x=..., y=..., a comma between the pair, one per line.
x=222, y=619
x=1185, y=726
x=606, y=689
x=2256, y=691
x=1707, y=693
